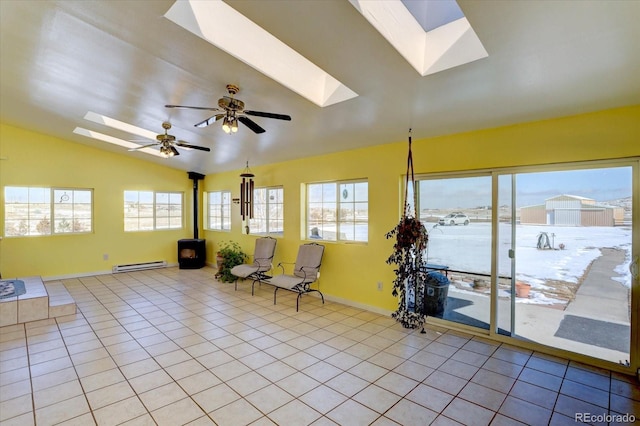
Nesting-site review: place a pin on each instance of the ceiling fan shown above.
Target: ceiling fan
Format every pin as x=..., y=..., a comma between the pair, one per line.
x=168, y=143
x=231, y=110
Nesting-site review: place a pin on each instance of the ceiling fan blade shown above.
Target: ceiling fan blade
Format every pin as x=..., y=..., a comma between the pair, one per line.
x=187, y=145
x=250, y=124
x=143, y=146
x=209, y=120
x=268, y=115
x=193, y=107
x=174, y=151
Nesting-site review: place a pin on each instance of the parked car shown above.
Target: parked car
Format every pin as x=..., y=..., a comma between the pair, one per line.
x=454, y=219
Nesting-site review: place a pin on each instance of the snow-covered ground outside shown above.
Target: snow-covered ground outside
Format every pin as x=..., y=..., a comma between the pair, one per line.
x=468, y=248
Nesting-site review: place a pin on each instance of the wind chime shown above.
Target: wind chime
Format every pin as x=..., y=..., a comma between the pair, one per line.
x=246, y=194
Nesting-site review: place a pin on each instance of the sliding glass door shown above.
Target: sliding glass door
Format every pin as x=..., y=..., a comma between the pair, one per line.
x=457, y=213
x=571, y=287
x=538, y=254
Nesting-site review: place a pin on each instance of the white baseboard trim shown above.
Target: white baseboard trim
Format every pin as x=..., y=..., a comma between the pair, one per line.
x=88, y=274
x=353, y=304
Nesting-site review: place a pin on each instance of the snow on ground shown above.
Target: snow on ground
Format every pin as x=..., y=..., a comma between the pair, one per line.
x=468, y=248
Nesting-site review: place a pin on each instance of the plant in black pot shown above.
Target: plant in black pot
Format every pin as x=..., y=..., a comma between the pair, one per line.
x=231, y=255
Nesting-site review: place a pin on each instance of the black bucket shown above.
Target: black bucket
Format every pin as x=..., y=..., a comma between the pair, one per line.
x=436, y=288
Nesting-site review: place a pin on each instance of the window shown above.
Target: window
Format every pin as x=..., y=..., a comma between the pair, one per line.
x=148, y=210
x=32, y=211
x=219, y=205
x=268, y=211
x=168, y=210
x=338, y=211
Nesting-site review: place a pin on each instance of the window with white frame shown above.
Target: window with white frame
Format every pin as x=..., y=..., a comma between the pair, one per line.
x=268, y=211
x=338, y=211
x=46, y=211
x=219, y=210
x=149, y=210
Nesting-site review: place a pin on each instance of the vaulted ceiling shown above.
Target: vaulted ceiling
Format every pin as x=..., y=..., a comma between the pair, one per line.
x=126, y=60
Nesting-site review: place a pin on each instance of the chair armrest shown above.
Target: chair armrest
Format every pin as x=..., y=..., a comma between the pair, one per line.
x=281, y=265
x=264, y=259
x=305, y=272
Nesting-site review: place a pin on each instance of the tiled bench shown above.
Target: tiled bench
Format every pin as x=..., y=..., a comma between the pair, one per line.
x=38, y=303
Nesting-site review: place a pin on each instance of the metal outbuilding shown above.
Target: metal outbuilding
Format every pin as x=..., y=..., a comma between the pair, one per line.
x=571, y=210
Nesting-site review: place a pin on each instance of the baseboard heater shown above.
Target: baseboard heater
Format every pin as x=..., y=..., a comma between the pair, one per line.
x=139, y=266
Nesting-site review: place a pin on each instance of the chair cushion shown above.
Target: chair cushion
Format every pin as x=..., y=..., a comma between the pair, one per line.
x=263, y=254
x=287, y=281
x=243, y=271
x=308, y=261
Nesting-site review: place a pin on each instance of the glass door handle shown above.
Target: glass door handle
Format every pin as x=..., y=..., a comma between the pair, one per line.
x=633, y=268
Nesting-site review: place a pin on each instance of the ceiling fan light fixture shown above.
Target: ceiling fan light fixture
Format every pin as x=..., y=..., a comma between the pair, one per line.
x=226, y=125
x=230, y=125
x=166, y=151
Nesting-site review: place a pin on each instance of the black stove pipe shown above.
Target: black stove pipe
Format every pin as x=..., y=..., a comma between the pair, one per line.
x=195, y=177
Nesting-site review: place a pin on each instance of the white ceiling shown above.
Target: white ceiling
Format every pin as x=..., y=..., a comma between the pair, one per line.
x=125, y=60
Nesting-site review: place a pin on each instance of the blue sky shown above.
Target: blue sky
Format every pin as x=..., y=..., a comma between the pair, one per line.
x=532, y=188
x=599, y=184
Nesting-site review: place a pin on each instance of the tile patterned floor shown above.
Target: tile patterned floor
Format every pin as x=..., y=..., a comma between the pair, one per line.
x=172, y=347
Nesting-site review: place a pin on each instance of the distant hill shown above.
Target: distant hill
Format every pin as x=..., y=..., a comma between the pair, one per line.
x=625, y=203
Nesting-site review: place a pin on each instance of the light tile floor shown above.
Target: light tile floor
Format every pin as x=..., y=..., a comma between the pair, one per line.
x=172, y=347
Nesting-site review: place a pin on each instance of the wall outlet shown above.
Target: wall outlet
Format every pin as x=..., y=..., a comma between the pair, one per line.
x=105, y=256
x=379, y=285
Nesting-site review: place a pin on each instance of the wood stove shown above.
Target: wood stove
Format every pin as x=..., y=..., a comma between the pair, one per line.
x=192, y=253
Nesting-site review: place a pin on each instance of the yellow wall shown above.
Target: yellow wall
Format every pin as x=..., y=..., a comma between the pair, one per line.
x=34, y=159
x=349, y=271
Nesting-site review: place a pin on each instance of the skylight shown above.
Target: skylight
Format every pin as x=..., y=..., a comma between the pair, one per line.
x=219, y=24
x=432, y=14
x=116, y=141
x=120, y=125
x=438, y=48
